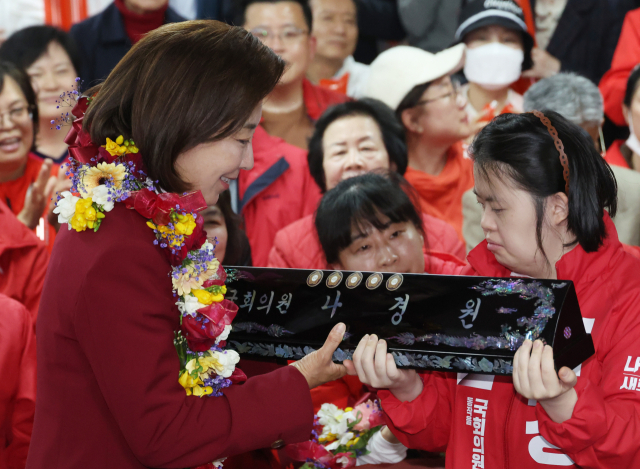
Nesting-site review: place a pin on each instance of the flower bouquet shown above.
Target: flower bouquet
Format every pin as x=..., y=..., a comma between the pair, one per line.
x=339, y=436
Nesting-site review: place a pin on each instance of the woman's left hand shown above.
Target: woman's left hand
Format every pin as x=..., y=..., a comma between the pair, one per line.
x=535, y=377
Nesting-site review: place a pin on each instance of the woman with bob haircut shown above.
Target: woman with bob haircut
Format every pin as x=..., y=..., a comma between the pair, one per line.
x=189, y=95
x=370, y=223
x=546, y=214
x=351, y=139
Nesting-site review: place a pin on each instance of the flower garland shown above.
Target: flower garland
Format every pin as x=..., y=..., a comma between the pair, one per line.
x=343, y=436
x=104, y=175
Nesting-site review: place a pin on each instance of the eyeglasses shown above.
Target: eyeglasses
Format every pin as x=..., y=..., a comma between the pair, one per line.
x=17, y=115
x=287, y=35
x=450, y=97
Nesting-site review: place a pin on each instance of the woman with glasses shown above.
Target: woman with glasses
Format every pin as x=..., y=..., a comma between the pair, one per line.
x=26, y=181
x=418, y=85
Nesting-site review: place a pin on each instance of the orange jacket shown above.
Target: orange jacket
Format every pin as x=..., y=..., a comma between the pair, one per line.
x=626, y=56
x=441, y=195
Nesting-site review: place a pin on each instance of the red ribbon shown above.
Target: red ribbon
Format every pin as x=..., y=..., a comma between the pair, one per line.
x=158, y=207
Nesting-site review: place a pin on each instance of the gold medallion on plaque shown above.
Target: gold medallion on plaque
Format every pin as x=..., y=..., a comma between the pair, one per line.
x=334, y=279
x=354, y=280
x=314, y=278
x=374, y=281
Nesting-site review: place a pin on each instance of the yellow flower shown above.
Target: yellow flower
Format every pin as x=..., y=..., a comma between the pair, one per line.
x=207, y=298
x=78, y=222
x=353, y=442
x=101, y=173
x=114, y=148
x=327, y=438
x=188, y=383
x=187, y=224
x=202, y=390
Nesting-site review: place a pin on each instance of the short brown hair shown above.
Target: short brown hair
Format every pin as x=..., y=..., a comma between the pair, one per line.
x=182, y=85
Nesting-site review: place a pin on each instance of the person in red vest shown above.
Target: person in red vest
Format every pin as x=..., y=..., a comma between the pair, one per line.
x=279, y=189
x=353, y=138
x=542, y=219
x=18, y=385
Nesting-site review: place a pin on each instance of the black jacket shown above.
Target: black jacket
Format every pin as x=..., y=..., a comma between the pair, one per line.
x=586, y=36
x=102, y=41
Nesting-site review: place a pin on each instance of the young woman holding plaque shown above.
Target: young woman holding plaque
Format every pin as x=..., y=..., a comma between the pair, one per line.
x=547, y=198
x=177, y=114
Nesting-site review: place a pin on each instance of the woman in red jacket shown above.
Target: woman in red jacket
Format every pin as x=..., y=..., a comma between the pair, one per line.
x=116, y=306
x=350, y=139
x=540, y=220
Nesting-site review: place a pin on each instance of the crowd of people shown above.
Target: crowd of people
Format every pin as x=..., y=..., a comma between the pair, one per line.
x=468, y=137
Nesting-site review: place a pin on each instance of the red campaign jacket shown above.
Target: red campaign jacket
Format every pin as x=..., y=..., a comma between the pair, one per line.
x=108, y=391
x=604, y=429
x=627, y=55
x=18, y=383
x=279, y=189
x=276, y=192
x=23, y=262
x=297, y=246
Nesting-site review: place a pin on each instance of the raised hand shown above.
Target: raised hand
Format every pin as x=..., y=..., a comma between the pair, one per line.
x=377, y=368
x=37, y=196
x=318, y=367
x=535, y=377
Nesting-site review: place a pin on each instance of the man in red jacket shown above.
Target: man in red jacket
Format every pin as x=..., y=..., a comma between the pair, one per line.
x=279, y=189
x=626, y=56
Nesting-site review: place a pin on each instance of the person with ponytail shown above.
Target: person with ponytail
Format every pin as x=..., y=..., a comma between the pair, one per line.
x=547, y=198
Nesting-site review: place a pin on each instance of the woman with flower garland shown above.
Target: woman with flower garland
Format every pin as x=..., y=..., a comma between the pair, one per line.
x=133, y=280
x=547, y=197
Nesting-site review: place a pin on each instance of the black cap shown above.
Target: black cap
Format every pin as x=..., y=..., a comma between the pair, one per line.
x=480, y=13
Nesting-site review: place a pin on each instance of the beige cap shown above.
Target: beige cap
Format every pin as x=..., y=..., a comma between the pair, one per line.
x=398, y=70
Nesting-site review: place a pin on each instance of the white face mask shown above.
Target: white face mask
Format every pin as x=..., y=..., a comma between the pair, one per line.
x=493, y=66
x=632, y=142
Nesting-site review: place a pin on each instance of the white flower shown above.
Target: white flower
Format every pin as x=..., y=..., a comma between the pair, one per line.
x=218, y=463
x=66, y=207
x=224, y=334
x=344, y=461
x=101, y=196
x=335, y=421
x=227, y=360
x=190, y=305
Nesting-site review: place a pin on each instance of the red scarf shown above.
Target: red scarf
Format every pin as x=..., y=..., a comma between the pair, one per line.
x=137, y=25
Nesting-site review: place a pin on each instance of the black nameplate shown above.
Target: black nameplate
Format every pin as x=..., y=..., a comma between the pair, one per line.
x=430, y=322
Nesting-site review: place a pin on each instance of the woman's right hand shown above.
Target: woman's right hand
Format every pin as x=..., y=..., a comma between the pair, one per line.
x=377, y=368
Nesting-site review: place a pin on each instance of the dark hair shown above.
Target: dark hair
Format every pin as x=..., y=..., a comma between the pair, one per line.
x=520, y=147
x=183, y=84
x=393, y=134
x=27, y=45
x=632, y=85
x=238, y=251
x=304, y=4
x=359, y=202
x=411, y=99
x=8, y=69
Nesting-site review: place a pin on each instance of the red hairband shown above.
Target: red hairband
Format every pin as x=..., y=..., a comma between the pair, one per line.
x=564, y=161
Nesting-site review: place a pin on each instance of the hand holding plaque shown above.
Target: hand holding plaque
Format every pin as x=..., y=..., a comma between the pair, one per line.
x=318, y=367
x=377, y=368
